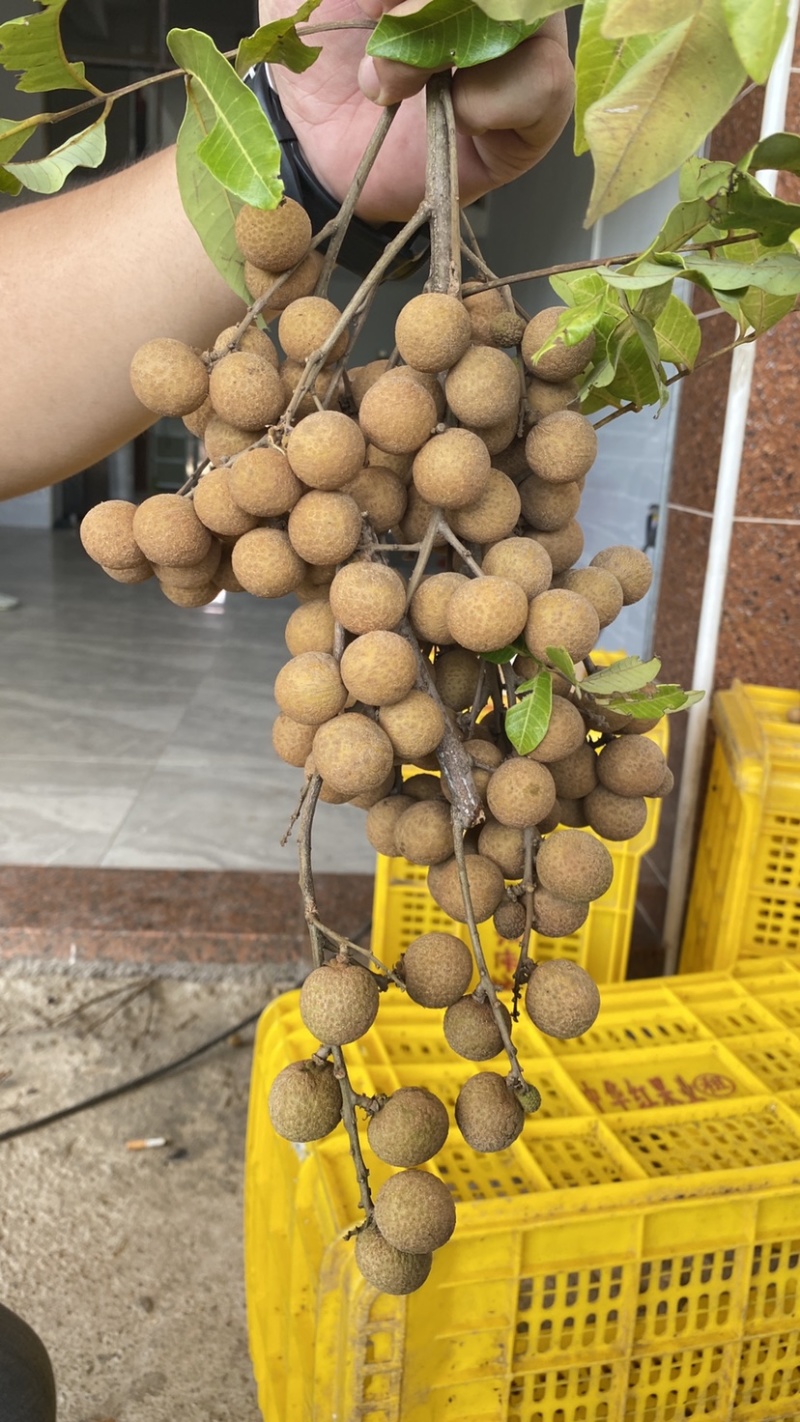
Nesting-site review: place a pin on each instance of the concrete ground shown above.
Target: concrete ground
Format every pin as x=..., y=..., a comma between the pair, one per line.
x=129, y=1263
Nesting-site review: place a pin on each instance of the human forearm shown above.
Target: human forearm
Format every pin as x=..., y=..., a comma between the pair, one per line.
x=85, y=279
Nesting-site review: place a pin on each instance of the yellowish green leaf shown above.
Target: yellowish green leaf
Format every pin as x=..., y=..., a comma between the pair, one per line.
x=625, y=18
x=600, y=63
x=279, y=43
x=48, y=174
x=31, y=46
x=210, y=207
x=756, y=28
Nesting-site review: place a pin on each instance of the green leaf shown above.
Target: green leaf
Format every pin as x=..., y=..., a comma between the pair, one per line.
x=32, y=47
x=624, y=18
x=778, y=150
x=600, y=63
x=240, y=150
x=678, y=334
x=48, y=174
x=749, y=205
x=577, y=287
x=574, y=324
x=756, y=28
x=19, y=132
x=629, y=674
x=684, y=222
x=758, y=310
x=211, y=209
x=645, y=274
x=504, y=654
x=526, y=722
x=279, y=43
x=560, y=658
x=664, y=701
x=778, y=274
x=453, y=33
x=627, y=369
x=700, y=178
x=644, y=127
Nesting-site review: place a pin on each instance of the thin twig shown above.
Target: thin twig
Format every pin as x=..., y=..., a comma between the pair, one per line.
x=306, y=871
x=351, y=1127
x=441, y=187
x=478, y=701
x=531, y=837
x=477, y=260
x=347, y=946
x=454, y=761
x=423, y=556
x=353, y=194
x=287, y=834
x=461, y=549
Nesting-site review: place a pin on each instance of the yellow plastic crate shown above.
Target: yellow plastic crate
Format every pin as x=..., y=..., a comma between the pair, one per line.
x=634, y=1257
x=745, y=897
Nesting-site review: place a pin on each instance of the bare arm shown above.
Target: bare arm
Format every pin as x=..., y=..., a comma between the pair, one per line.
x=85, y=278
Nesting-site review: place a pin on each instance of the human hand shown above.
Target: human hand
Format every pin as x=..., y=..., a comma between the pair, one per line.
x=509, y=111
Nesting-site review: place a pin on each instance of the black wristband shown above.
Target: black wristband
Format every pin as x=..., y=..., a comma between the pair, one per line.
x=363, y=245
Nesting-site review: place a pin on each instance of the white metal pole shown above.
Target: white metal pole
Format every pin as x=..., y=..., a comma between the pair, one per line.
x=743, y=361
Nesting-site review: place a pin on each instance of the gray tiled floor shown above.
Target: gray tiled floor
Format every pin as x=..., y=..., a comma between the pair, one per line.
x=136, y=734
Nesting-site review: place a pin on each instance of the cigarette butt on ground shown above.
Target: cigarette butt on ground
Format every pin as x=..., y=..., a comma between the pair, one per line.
x=151, y=1143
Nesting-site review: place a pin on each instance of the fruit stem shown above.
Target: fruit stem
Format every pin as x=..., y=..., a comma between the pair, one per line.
x=441, y=188
x=478, y=701
x=353, y=194
x=461, y=549
x=306, y=821
x=524, y=965
x=474, y=255
x=346, y=946
x=454, y=761
x=423, y=556
x=349, y=1100
x=515, y=1077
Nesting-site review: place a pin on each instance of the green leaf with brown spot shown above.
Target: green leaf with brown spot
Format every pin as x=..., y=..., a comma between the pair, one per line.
x=527, y=721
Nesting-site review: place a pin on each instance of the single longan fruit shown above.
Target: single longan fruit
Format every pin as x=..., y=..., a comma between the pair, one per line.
x=574, y=865
x=222, y=440
x=107, y=535
x=266, y=564
x=558, y=618
x=304, y=326
x=520, y=793
x=512, y=461
x=488, y=1114
x=379, y=668
x=497, y=438
x=368, y=798
x=521, y=560
x=414, y=1211
x=561, y=447
x=599, y=586
x=225, y=580
x=429, y=607
x=168, y=531
x=262, y=483
x=130, y=576
x=565, y=733
x=493, y=516
x=486, y=886
x=423, y=787
x=291, y=740
x=457, y=673
x=382, y=820
x=324, y=527
x=327, y=794
x=433, y=331
x=310, y=628
x=352, y=754
x=362, y=376
x=483, y=752
x=190, y=597
x=505, y=845
x=614, y=817
x=389, y=1270
x=424, y=834
x=260, y=280
x=562, y=362
x=667, y=785
x=482, y=307
x=545, y=397
x=168, y=377
x=305, y=1101
x=470, y=1029
x=246, y=390
x=339, y=1002
x=380, y=495
x=309, y=689
x=557, y=918
x=415, y=726
x=275, y=239
x=196, y=575
x=197, y=420
x=316, y=583
x=509, y=919
x=410, y=1127
x=399, y=464
x=326, y=450
x=483, y=387
x=548, y=507
x=427, y=380
x=437, y=969
x=215, y=506
x=632, y=569
x=397, y=415
x=633, y=766
x=576, y=774
x=368, y=597
x=487, y=613
x=253, y=339
x=563, y=547
x=561, y=999
x=452, y=469
x=416, y=520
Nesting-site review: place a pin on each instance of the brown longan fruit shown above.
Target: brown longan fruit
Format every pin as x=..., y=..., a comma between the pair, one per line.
x=389, y=1270
x=339, y=1002
x=493, y=516
x=558, y=618
x=305, y=324
x=309, y=688
x=222, y=441
x=368, y=798
x=415, y=726
x=197, y=421
x=510, y=918
x=572, y=864
x=416, y=520
x=316, y=583
x=485, y=883
x=189, y=597
x=259, y=280
x=614, y=817
x=362, y=376
x=379, y=668
x=632, y=569
x=561, y=999
x=548, y=506
x=382, y=820
x=130, y=576
x=562, y=362
x=565, y=733
x=266, y=564
x=252, y=339
x=167, y=530
x=368, y=597
x=457, y=673
x=107, y=535
x=485, y=614
x=415, y=1212
x=429, y=605
x=327, y=794
x=483, y=387
x=505, y=845
x=196, y=575
x=423, y=787
x=399, y=464
x=216, y=508
x=433, y=331
x=576, y=774
x=225, y=580
x=326, y=450
x=380, y=495
x=262, y=483
x=512, y=461
x=633, y=766
x=352, y=754
x=497, y=438
x=523, y=561
x=520, y=793
x=397, y=415
x=246, y=391
x=483, y=752
x=563, y=547
x=666, y=787
x=168, y=377
x=561, y=447
x=292, y=372
x=324, y=527
x=471, y=1030
x=305, y=1101
x=424, y=834
x=310, y=628
x=427, y=380
x=452, y=469
x=410, y=1127
x=292, y=740
x=602, y=589
x=481, y=307
x=276, y=238
x=557, y=918
x=545, y=397
x=436, y=969
x=488, y=1114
